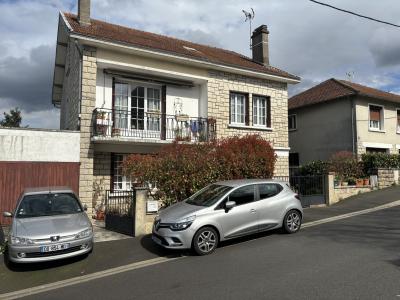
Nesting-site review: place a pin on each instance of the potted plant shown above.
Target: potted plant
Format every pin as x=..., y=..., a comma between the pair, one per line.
x=359, y=182
x=351, y=181
x=115, y=132
x=366, y=181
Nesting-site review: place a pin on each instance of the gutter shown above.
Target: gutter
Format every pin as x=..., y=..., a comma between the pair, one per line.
x=189, y=60
x=80, y=51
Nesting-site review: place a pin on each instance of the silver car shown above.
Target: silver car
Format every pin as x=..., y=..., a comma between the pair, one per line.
x=226, y=210
x=48, y=224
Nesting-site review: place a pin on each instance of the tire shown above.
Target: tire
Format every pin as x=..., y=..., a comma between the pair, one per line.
x=205, y=241
x=292, y=221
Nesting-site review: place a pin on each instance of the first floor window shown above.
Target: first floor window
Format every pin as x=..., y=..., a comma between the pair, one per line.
x=259, y=110
x=120, y=181
x=238, y=108
x=375, y=117
x=292, y=122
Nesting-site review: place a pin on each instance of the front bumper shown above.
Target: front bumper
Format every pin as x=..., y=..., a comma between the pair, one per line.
x=170, y=239
x=32, y=253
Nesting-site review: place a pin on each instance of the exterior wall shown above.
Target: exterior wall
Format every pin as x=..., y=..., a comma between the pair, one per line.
x=101, y=176
x=88, y=102
x=387, y=138
x=39, y=145
x=322, y=130
x=70, y=103
x=219, y=86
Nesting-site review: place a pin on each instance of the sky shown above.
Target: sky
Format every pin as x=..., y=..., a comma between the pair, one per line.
x=306, y=39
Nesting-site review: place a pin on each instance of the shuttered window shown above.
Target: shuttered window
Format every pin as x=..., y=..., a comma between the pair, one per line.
x=375, y=117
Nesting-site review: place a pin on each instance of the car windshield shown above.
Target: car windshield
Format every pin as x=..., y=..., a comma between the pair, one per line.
x=209, y=195
x=40, y=205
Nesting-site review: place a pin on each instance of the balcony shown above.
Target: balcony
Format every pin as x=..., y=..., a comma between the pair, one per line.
x=150, y=126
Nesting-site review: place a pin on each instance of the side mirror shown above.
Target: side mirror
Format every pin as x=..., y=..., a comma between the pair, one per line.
x=85, y=207
x=7, y=214
x=230, y=204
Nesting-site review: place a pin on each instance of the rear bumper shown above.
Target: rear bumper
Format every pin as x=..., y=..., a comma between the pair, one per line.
x=32, y=254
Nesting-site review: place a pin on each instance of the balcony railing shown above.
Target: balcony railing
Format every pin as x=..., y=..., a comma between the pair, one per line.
x=137, y=124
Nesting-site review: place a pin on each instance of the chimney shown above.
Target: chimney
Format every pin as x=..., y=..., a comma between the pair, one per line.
x=259, y=45
x=84, y=12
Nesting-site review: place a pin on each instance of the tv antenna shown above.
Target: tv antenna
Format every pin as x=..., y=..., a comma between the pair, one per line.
x=249, y=17
x=350, y=75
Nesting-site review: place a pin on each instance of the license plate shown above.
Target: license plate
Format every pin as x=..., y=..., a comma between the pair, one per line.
x=156, y=240
x=52, y=248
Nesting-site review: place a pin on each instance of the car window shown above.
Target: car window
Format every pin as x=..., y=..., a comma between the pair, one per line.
x=269, y=190
x=208, y=195
x=38, y=205
x=243, y=195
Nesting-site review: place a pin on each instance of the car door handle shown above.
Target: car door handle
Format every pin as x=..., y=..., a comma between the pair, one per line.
x=252, y=210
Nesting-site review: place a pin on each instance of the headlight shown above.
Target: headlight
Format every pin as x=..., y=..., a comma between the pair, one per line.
x=182, y=224
x=15, y=240
x=85, y=233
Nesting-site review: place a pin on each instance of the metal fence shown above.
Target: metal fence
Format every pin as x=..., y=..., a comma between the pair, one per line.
x=120, y=211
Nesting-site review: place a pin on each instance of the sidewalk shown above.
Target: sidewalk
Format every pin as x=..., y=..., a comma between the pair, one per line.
x=110, y=254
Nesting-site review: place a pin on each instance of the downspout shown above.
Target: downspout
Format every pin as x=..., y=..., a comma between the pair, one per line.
x=353, y=128
x=80, y=81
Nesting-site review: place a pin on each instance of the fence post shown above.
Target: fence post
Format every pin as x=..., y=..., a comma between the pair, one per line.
x=330, y=188
x=140, y=211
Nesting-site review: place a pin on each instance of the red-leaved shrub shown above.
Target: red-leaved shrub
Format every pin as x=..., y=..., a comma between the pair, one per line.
x=179, y=169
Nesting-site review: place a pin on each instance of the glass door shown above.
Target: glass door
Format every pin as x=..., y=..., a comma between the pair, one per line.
x=137, y=108
x=121, y=106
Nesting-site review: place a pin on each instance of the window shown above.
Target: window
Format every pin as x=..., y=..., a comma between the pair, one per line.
x=238, y=108
x=269, y=190
x=292, y=122
x=260, y=108
x=121, y=105
x=376, y=150
x=243, y=195
x=398, y=121
x=120, y=182
x=375, y=117
x=153, y=106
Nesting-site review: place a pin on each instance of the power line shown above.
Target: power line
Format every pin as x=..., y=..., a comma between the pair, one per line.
x=355, y=14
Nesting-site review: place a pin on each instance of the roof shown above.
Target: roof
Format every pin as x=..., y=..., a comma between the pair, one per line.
x=115, y=33
x=42, y=190
x=332, y=89
x=239, y=182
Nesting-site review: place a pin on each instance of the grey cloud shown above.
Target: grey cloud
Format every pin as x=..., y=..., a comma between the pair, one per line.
x=385, y=47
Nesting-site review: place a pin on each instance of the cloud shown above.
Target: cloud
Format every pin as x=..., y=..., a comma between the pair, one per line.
x=306, y=39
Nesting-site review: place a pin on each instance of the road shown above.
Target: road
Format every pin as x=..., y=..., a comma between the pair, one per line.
x=352, y=258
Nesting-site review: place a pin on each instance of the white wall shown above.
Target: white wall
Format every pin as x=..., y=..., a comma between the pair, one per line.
x=188, y=97
x=103, y=90
x=39, y=145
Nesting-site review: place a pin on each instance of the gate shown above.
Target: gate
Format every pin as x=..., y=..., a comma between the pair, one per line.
x=311, y=189
x=120, y=211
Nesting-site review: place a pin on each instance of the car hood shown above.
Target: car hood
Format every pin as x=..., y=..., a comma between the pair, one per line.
x=179, y=211
x=42, y=227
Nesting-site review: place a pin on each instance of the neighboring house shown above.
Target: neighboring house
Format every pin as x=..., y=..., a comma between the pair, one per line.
x=339, y=115
x=130, y=91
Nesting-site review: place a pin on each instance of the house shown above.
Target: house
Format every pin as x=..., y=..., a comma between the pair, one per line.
x=130, y=91
x=339, y=115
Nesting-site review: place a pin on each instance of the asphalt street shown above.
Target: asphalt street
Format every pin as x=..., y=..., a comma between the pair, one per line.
x=353, y=258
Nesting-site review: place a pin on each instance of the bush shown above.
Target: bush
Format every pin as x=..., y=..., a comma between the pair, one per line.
x=345, y=165
x=372, y=161
x=317, y=167
x=179, y=170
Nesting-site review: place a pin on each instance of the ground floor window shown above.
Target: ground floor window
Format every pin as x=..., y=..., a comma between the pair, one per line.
x=120, y=182
x=376, y=150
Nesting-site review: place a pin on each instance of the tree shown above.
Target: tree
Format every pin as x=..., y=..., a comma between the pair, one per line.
x=12, y=119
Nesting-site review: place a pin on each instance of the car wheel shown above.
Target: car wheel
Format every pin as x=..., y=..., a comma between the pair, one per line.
x=292, y=221
x=205, y=241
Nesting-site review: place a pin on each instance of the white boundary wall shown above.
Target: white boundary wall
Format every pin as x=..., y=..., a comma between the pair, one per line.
x=25, y=144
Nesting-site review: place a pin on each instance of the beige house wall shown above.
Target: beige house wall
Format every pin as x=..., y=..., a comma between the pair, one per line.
x=101, y=176
x=220, y=85
x=388, y=137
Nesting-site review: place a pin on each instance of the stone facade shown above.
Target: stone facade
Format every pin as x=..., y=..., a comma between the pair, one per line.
x=387, y=177
x=101, y=176
x=220, y=85
x=88, y=103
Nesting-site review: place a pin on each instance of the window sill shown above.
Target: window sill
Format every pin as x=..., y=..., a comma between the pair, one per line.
x=238, y=126
x=376, y=130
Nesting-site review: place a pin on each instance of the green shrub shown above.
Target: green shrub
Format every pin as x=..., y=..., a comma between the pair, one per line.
x=345, y=165
x=179, y=169
x=317, y=167
x=372, y=161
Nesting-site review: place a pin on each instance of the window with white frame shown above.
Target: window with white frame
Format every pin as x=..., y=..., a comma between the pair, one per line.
x=121, y=104
x=120, y=181
x=398, y=121
x=238, y=108
x=375, y=117
x=260, y=110
x=292, y=122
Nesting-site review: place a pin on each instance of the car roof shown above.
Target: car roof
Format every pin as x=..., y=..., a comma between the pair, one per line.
x=239, y=182
x=49, y=189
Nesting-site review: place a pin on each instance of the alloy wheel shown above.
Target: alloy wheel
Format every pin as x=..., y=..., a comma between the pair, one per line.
x=293, y=221
x=206, y=241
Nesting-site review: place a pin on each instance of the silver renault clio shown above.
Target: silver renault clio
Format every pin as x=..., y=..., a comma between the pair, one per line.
x=226, y=210
x=48, y=224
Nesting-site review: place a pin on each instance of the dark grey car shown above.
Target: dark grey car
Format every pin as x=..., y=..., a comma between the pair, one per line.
x=48, y=224
x=226, y=210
